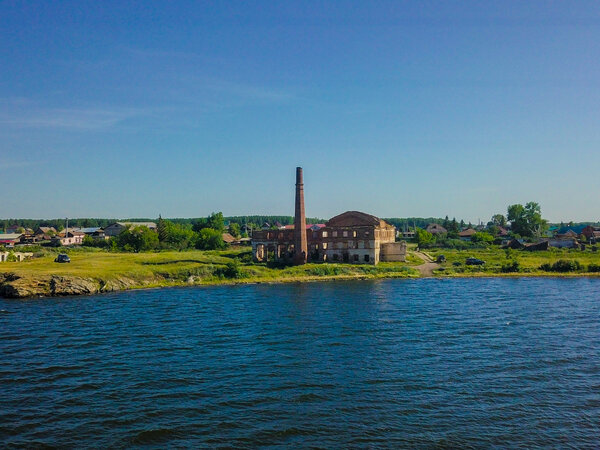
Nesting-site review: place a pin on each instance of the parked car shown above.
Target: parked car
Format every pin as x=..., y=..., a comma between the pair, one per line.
x=62, y=258
x=474, y=262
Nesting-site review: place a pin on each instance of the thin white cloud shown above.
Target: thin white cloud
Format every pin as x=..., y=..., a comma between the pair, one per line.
x=10, y=165
x=91, y=118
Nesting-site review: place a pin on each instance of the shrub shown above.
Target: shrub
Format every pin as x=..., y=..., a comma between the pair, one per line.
x=210, y=239
x=562, y=265
x=511, y=267
x=232, y=269
x=594, y=268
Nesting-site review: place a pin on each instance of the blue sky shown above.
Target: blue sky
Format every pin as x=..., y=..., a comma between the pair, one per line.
x=134, y=109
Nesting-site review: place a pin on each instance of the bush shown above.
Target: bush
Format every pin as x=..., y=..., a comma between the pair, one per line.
x=594, y=268
x=232, y=269
x=562, y=265
x=511, y=267
x=482, y=237
x=137, y=239
x=210, y=239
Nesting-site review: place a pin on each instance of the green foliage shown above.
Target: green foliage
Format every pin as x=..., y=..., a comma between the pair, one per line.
x=482, y=237
x=562, y=265
x=527, y=220
x=498, y=220
x=424, y=238
x=177, y=236
x=234, y=229
x=594, y=267
x=161, y=228
x=137, y=239
x=11, y=257
x=89, y=241
x=216, y=222
x=328, y=270
x=511, y=267
x=233, y=269
x=210, y=239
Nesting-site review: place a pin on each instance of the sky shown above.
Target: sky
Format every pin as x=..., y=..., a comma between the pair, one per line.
x=399, y=109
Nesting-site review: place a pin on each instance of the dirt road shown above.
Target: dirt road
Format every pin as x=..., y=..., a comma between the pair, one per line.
x=426, y=269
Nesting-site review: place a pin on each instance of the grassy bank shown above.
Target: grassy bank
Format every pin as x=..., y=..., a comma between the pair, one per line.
x=502, y=262
x=93, y=270
x=106, y=271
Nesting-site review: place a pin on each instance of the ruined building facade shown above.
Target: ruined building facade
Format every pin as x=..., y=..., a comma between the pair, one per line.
x=352, y=237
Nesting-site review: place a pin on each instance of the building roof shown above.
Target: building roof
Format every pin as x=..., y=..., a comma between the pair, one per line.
x=502, y=231
x=134, y=224
x=90, y=230
x=228, y=238
x=467, y=233
x=10, y=236
x=356, y=218
x=577, y=229
x=436, y=228
x=46, y=230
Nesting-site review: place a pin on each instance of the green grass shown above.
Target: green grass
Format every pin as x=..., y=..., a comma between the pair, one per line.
x=172, y=268
x=197, y=267
x=495, y=258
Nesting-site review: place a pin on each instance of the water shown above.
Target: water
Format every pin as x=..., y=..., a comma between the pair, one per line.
x=463, y=362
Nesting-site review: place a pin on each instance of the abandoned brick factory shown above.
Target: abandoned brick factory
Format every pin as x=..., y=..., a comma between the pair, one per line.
x=351, y=237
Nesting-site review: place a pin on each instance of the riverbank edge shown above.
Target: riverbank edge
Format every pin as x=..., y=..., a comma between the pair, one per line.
x=63, y=286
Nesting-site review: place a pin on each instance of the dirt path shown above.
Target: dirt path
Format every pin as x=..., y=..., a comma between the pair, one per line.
x=426, y=269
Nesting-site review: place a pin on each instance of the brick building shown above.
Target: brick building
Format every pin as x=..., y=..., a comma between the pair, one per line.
x=351, y=237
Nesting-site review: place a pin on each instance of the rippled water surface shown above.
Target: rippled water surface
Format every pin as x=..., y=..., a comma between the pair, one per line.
x=473, y=362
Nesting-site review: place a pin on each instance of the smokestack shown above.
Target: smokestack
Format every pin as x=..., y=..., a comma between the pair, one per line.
x=300, y=243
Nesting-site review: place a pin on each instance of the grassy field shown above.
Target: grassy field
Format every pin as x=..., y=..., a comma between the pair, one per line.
x=172, y=268
x=528, y=262
x=106, y=271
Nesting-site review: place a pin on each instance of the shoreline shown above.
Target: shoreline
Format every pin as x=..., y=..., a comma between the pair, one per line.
x=65, y=286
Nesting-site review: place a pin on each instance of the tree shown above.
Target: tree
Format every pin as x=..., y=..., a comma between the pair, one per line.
x=423, y=237
x=453, y=228
x=527, y=220
x=209, y=239
x=482, y=237
x=161, y=228
x=137, y=239
x=499, y=220
x=234, y=229
x=216, y=222
x=179, y=236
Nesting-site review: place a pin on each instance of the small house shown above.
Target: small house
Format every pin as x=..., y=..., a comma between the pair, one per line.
x=436, y=229
x=467, y=234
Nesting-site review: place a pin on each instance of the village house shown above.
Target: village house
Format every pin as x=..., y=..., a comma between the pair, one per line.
x=68, y=238
x=114, y=229
x=467, y=234
x=230, y=239
x=95, y=233
x=591, y=233
x=13, y=229
x=436, y=229
x=10, y=239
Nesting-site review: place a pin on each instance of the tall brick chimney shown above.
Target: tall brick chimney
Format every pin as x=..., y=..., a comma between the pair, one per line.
x=300, y=243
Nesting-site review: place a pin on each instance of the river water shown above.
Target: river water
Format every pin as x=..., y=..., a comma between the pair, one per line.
x=393, y=363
